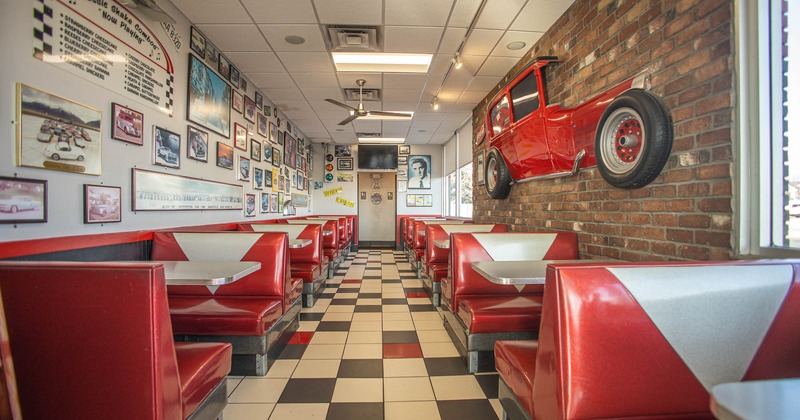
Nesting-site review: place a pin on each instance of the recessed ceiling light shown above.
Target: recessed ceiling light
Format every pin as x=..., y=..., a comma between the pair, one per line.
x=422, y=131
x=378, y=62
x=371, y=116
x=516, y=45
x=340, y=129
x=294, y=39
x=393, y=140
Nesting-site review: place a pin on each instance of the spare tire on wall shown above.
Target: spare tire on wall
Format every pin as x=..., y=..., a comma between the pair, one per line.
x=633, y=139
x=498, y=179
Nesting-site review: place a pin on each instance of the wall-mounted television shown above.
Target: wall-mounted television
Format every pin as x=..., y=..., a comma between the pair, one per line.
x=377, y=156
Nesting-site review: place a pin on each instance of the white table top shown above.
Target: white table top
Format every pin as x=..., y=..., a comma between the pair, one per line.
x=518, y=273
x=775, y=399
x=442, y=243
x=299, y=243
x=211, y=274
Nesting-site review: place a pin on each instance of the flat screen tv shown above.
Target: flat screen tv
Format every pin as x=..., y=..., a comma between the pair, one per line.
x=377, y=156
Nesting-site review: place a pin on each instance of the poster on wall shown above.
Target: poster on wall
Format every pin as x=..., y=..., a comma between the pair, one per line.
x=209, y=98
x=105, y=43
x=419, y=172
x=161, y=191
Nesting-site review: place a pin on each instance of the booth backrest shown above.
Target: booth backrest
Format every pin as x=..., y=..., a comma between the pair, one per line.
x=418, y=240
x=468, y=248
x=271, y=249
x=650, y=340
x=311, y=254
x=9, y=406
x=91, y=341
x=435, y=232
x=407, y=230
x=331, y=241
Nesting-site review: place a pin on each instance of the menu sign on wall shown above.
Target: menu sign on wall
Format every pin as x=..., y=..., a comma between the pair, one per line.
x=104, y=43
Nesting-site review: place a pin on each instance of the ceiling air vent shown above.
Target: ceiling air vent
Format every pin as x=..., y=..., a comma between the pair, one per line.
x=354, y=38
x=351, y=94
x=369, y=135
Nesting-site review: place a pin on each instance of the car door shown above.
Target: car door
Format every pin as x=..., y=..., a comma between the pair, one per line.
x=527, y=127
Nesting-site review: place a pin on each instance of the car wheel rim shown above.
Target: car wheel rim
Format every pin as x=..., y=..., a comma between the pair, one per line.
x=491, y=174
x=623, y=137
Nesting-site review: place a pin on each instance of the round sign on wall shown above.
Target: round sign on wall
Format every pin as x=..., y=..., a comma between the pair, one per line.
x=329, y=157
x=329, y=177
x=329, y=167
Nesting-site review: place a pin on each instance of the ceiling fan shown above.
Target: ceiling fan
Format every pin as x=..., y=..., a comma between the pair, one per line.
x=360, y=111
x=148, y=8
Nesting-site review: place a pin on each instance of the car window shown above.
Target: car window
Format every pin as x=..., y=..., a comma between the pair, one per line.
x=525, y=97
x=500, y=116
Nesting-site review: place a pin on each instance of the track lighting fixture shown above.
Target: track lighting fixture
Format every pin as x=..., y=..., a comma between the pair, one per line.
x=435, y=104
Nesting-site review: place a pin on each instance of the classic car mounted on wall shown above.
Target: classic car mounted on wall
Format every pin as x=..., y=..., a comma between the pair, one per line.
x=626, y=131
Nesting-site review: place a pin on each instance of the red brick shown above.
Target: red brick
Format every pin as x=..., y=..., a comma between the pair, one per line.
x=710, y=138
x=694, y=220
x=721, y=170
x=679, y=235
x=714, y=103
x=718, y=239
x=693, y=252
x=721, y=205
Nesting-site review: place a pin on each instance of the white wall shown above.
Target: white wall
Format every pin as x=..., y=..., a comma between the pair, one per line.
x=328, y=205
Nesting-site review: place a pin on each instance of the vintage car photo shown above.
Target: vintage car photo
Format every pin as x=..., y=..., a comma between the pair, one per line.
x=22, y=200
x=166, y=148
x=101, y=204
x=127, y=125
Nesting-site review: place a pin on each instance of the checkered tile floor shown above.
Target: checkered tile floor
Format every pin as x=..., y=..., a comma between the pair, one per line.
x=373, y=347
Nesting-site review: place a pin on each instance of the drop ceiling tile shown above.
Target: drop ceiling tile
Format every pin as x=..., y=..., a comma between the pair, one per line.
x=307, y=125
x=427, y=126
x=529, y=38
x=463, y=13
x=440, y=64
x=539, y=15
x=367, y=126
x=411, y=39
x=270, y=80
x=280, y=11
x=452, y=40
x=417, y=12
x=327, y=110
x=396, y=126
x=484, y=83
x=463, y=106
x=405, y=106
x=401, y=94
x=404, y=81
x=482, y=41
x=282, y=94
x=305, y=61
x=255, y=62
x=235, y=37
x=350, y=12
x=293, y=106
x=457, y=81
x=276, y=35
x=497, y=66
x=472, y=97
x=458, y=117
x=320, y=94
x=348, y=79
x=335, y=129
x=213, y=11
x=498, y=14
x=316, y=80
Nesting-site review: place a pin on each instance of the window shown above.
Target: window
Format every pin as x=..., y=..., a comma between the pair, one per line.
x=525, y=97
x=451, y=194
x=465, y=202
x=500, y=116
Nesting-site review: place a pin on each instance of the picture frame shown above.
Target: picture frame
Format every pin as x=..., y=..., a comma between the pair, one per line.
x=259, y=101
x=267, y=178
x=402, y=186
x=273, y=203
x=267, y=111
x=281, y=136
x=404, y=150
x=127, y=124
x=344, y=164
x=208, y=108
x=300, y=200
x=237, y=102
x=267, y=148
x=23, y=200
x=273, y=133
x=402, y=160
x=160, y=191
x=419, y=172
x=212, y=53
x=290, y=151
x=276, y=157
x=480, y=168
x=261, y=124
x=224, y=67
x=45, y=140
x=249, y=205
x=249, y=109
x=265, y=202
x=197, y=144
x=276, y=176
x=243, y=85
x=224, y=155
x=342, y=150
x=102, y=204
x=244, y=169
x=235, y=77
x=255, y=150
x=239, y=137
x=258, y=178
x=166, y=148
x=198, y=43
x=344, y=176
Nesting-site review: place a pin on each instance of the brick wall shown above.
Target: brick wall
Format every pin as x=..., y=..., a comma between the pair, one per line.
x=686, y=213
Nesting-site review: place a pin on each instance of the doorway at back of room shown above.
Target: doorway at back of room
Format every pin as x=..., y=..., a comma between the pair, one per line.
x=377, y=209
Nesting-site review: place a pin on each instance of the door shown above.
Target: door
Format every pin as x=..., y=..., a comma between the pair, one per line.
x=377, y=208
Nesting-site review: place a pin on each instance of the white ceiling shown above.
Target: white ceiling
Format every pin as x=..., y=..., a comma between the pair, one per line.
x=297, y=78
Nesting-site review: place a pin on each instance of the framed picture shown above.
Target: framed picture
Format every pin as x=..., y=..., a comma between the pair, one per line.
x=235, y=77
x=281, y=183
x=255, y=150
x=300, y=200
x=276, y=176
x=419, y=172
x=209, y=98
x=166, y=148
x=259, y=101
x=160, y=191
x=23, y=200
x=344, y=164
x=249, y=109
x=244, y=169
x=101, y=204
x=224, y=67
x=273, y=133
x=249, y=205
x=276, y=157
x=402, y=186
x=267, y=147
x=57, y=133
x=402, y=160
x=411, y=200
x=480, y=168
x=265, y=208
x=258, y=178
x=280, y=202
x=237, y=102
x=290, y=151
x=267, y=178
x=239, y=137
x=198, y=43
x=267, y=111
x=224, y=156
x=244, y=84
x=197, y=146
x=212, y=53
x=128, y=125
x=273, y=203
x=343, y=151
x=281, y=136
x=403, y=150
x=261, y=124
x=344, y=176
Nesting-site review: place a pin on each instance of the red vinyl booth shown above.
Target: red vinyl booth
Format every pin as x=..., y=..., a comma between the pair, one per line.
x=417, y=240
x=330, y=243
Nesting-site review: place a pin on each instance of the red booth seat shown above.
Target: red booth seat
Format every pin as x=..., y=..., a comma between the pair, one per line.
x=418, y=241
x=94, y=340
x=330, y=243
x=257, y=314
x=478, y=312
x=651, y=340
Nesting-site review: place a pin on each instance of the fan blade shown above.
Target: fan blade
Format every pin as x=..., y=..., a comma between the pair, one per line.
x=150, y=9
x=390, y=114
x=348, y=119
x=345, y=106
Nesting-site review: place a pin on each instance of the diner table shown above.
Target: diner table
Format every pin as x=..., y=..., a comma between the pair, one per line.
x=299, y=243
x=519, y=273
x=211, y=274
x=769, y=399
x=442, y=243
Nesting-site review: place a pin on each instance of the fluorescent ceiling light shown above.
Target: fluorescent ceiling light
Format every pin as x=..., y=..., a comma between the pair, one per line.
x=370, y=116
x=395, y=140
x=378, y=62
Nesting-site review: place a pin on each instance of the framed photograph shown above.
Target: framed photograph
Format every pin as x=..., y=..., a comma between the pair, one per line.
x=290, y=151
x=198, y=43
x=128, y=125
x=267, y=178
x=235, y=77
x=101, y=204
x=224, y=67
x=261, y=124
x=255, y=150
x=273, y=203
x=160, y=191
x=57, y=133
x=343, y=151
x=419, y=172
x=280, y=202
x=300, y=200
x=249, y=205
x=402, y=160
x=276, y=176
x=276, y=157
x=265, y=207
x=239, y=137
x=258, y=178
x=23, y=200
x=209, y=98
x=244, y=169
x=259, y=101
x=289, y=127
x=238, y=102
x=244, y=84
x=281, y=136
x=267, y=110
x=344, y=164
x=212, y=53
x=224, y=156
x=480, y=168
x=403, y=150
x=402, y=186
x=197, y=146
x=249, y=109
x=411, y=200
x=344, y=176
x=166, y=148
x=267, y=147
x=281, y=183
x=273, y=133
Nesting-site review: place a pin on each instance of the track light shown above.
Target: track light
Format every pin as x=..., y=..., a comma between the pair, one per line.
x=435, y=104
x=457, y=61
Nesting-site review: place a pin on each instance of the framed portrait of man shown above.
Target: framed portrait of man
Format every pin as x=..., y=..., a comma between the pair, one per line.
x=419, y=172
